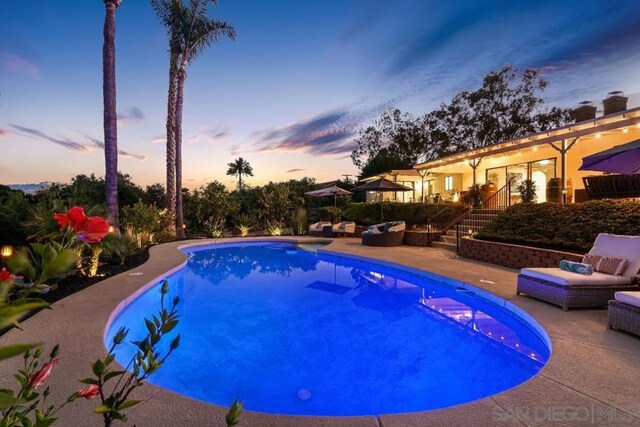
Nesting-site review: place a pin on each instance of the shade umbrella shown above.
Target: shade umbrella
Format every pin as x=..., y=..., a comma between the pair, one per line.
x=382, y=185
x=334, y=191
x=623, y=159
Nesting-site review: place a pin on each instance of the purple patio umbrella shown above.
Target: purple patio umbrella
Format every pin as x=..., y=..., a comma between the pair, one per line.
x=623, y=159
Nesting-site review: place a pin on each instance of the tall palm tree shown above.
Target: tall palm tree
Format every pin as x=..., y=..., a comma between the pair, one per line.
x=240, y=167
x=170, y=13
x=191, y=31
x=110, y=119
x=199, y=33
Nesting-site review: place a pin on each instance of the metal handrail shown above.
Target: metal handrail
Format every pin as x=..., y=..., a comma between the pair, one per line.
x=431, y=221
x=500, y=200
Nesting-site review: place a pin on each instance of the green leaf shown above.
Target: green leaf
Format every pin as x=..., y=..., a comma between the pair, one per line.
x=101, y=409
x=7, y=400
x=150, y=326
x=98, y=367
x=89, y=381
x=128, y=404
x=15, y=350
x=113, y=374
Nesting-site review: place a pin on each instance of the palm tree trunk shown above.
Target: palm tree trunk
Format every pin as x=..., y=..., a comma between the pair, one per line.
x=171, y=140
x=182, y=75
x=239, y=181
x=110, y=120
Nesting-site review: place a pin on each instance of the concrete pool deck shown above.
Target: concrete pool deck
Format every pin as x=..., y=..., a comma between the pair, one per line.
x=592, y=378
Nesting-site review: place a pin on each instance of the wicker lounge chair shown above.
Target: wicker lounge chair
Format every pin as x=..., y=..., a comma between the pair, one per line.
x=344, y=228
x=316, y=228
x=387, y=234
x=572, y=290
x=624, y=312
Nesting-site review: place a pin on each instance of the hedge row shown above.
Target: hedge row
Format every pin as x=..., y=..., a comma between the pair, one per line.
x=570, y=227
x=412, y=213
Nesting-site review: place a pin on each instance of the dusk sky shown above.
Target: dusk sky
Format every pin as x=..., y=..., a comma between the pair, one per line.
x=291, y=92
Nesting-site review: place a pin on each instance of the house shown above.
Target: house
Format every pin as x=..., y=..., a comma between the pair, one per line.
x=551, y=159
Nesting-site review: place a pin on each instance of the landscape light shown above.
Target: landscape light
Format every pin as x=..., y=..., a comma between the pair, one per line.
x=7, y=251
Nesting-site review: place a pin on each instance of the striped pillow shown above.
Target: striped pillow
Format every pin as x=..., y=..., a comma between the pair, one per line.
x=610, y=265
x=592, y=260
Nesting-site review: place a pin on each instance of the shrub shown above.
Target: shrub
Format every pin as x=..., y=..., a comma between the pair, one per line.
x=244, y=224
x=275, y=228
x=331, y=214
x=475, y=196
x=116, y=249
x=299, y=222
x=527, y=190
x=417, y=214
x=143, y=221
x=570, y=227
x=214, y=227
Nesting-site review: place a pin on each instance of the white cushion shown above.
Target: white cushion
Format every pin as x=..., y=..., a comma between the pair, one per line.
x=566, y=278
x=627, y=247
x=398, y=227
x=318, y=225
x=629, y=297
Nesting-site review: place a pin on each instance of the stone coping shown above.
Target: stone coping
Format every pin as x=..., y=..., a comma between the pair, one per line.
x=592, y=373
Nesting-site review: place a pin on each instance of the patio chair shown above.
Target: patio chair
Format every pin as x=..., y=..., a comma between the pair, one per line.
x=317, y=227
x=386, y=234
x=624, y=312
x=573, y=290
x=344, y=228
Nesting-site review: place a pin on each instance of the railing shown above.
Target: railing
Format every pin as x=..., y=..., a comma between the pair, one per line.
x=477, y=218
x=443, y=220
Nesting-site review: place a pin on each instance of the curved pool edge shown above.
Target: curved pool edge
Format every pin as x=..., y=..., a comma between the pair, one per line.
x=511, y=309
x=583, y=347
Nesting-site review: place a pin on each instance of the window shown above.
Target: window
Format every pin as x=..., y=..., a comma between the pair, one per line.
x=448, y=183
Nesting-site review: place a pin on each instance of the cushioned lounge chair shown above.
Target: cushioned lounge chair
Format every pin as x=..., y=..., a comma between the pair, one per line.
x=386, y=234
x=344, y=228
x=572, y=290
x=316, y=228
x=624, y=312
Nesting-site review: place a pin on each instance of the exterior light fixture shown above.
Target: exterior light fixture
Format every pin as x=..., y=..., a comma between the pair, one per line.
x=625, y=130
x=535, y=148
x=111, y=229
x=598, y=135
x=7, y=251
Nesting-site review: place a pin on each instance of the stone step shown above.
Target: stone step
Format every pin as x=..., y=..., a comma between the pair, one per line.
x=444, y=245
x=448, y=239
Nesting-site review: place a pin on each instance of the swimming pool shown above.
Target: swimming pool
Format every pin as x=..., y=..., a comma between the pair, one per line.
x=292, y=331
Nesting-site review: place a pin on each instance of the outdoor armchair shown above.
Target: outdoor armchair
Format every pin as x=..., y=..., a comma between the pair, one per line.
x=316, y=228
x=573, y=290
x=386, y=234
x=344, y=227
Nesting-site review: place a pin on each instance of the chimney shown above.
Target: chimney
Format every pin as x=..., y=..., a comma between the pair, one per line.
x=585, y=111
x=615, y=102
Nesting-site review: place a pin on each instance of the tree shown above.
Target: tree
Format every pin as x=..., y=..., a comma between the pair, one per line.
x=502, y=108
x=238, y=168
x=110, y=120
x=197, y=33
x=170, y=13
x=396, y=136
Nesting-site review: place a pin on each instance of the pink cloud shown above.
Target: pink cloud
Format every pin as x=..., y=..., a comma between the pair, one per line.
x=18, y=64
x=4, y=132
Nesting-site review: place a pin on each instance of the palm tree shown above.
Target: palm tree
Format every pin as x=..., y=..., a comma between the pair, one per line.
x=240, y=167
x=110, y=119
x=190, y=32
x=170, y=13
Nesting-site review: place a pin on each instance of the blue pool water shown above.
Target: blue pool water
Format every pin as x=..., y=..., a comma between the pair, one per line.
x=296, y=332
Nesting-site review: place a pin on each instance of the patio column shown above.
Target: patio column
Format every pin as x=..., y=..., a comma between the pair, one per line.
x=563, y=149
x=423, y=173
x=474, y=163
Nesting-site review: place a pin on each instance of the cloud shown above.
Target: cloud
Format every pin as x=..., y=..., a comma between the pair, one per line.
x=122, y=153
x=4, y=132
x=295, y=170
x=234, y=150
x=18, y=64
x=211, y=135
x=325, y=134
x=66, y=143
x=133, y=115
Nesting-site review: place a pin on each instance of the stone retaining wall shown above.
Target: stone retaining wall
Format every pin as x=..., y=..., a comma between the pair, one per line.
x=419, y=238
x=514, y=256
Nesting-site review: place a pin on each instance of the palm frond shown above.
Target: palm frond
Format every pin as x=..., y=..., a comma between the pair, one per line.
x=207, y=32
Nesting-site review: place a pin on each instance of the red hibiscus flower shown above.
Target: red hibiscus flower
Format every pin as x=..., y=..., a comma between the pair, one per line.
x=94, y=230
x=90, y=392
x=5, y=276
x=38, y=378
x=63, y=219
x=77, y=218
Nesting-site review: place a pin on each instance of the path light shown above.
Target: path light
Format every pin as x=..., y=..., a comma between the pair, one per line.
x=7, y=251
x=111, y=229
